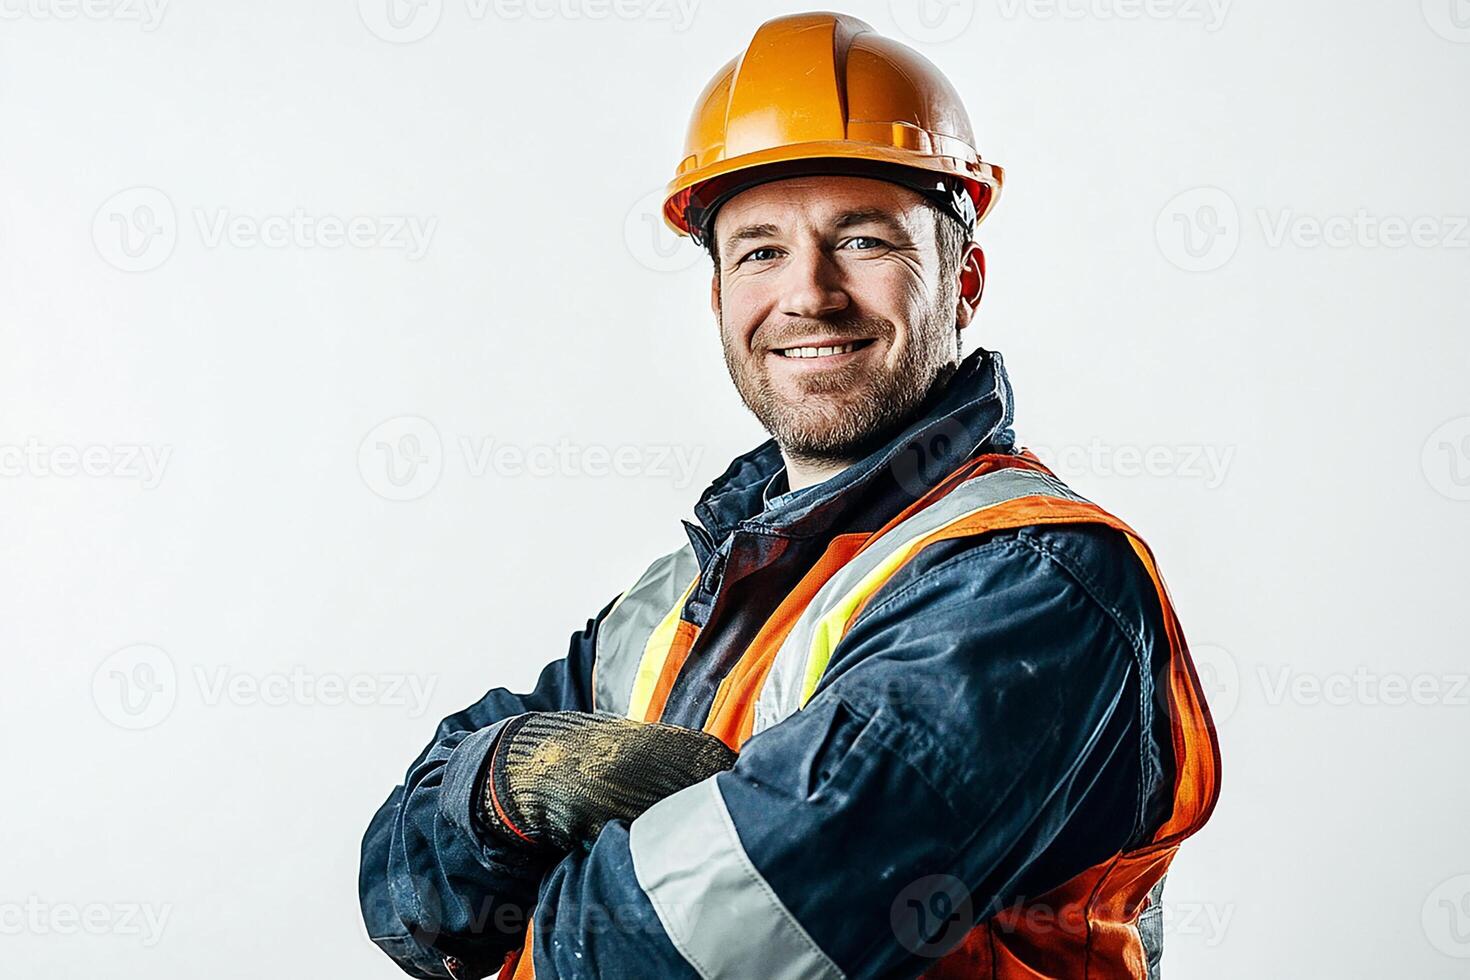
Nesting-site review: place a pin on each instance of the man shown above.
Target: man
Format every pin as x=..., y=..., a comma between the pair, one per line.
x=904, y=704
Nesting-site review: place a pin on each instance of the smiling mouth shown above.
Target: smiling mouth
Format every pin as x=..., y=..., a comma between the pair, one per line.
x=810, y=352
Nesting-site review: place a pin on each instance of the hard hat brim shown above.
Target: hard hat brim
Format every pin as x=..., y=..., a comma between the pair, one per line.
x=699, y=192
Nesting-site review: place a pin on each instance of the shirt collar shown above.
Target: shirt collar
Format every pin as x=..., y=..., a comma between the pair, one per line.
x=777, y=491
x=779, y=477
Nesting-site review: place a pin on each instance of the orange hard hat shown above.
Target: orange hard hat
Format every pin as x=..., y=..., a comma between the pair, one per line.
x=821, y=93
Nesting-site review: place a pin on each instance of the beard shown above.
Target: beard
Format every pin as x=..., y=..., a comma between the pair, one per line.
x=841, y=414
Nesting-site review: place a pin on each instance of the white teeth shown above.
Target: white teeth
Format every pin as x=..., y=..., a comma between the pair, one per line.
x=818, y=351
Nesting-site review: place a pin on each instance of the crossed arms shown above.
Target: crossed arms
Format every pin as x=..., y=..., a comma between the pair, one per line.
x=982, y=733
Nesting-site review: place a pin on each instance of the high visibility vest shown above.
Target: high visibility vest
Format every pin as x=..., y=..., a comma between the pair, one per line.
x=1087, y=926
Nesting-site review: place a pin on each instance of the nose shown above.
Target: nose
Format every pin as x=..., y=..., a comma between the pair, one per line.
x=811, y=285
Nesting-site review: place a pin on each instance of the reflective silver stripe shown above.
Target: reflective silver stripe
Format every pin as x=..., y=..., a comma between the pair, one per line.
x=720, y=914
x=780, y=695
x=624, y=632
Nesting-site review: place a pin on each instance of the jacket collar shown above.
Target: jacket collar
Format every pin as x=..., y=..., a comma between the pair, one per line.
x=969, y=414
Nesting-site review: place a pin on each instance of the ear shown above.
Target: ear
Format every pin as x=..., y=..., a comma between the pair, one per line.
x=972, y=285
x=714, y=294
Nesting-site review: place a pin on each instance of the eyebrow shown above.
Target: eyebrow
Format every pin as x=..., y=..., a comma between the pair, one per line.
x=864, y=216
x=848, y=219
x=745, y=234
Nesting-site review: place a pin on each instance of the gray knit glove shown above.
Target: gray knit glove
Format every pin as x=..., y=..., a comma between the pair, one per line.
x=553, y=778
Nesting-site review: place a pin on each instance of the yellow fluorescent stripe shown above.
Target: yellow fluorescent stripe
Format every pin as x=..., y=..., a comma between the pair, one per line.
x=829, y=628
x=655, y=652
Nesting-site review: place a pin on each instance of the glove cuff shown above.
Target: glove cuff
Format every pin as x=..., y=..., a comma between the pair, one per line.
x=497, y=804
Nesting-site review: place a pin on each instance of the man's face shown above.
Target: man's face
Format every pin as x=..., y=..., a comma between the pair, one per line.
x=834, y=313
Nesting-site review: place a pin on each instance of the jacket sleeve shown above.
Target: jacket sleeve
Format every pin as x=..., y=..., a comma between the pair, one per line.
x=978, y=736
x=429, y=885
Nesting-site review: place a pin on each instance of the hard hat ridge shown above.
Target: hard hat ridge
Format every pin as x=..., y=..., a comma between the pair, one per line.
x=824, y=94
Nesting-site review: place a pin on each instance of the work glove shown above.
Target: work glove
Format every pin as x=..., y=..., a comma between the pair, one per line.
x=553, y=778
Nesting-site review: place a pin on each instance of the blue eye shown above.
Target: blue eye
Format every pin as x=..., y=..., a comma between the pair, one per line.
x=755, y=255
x=864, y=238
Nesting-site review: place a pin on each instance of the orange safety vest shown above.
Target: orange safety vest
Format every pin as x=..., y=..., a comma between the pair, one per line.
x=1087, y=926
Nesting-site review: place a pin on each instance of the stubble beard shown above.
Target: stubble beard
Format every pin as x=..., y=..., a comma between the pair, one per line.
x=821, y=427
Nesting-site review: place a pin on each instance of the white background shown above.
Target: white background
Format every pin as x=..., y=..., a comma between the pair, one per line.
x=1318, y=565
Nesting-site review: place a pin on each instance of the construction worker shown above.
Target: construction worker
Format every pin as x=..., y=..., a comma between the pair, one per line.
x=904, y=704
